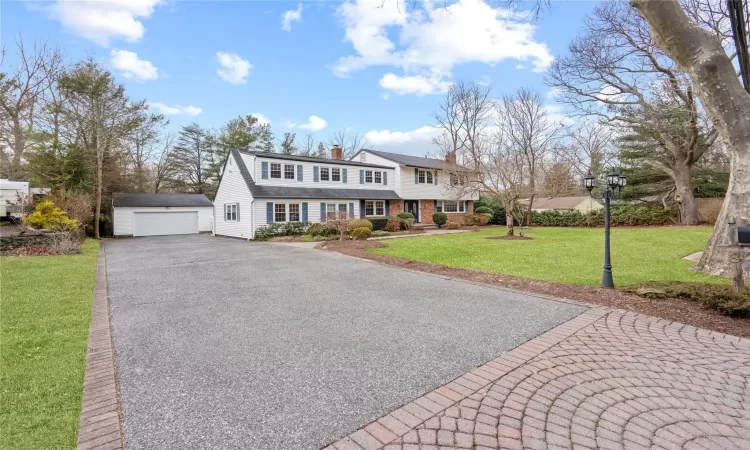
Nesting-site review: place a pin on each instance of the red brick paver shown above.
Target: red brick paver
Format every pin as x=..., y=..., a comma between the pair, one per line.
x=100, y=426
x=606, y=379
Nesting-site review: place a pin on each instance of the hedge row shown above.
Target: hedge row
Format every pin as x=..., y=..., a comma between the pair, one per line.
x=622, y=215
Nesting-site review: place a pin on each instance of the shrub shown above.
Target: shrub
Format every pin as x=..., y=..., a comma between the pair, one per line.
x=454, y=225
x=708, y=209
x=719, y=297
x=359, y=223
x=76, y=206
x=440, y=219
x=621, y=215
x=380, y=233
x=361, y=233
x=479, y=219
x=320, y=230
x=379, y=223
x=405, y=215
x=283, y=229
x=483, y=210
x=393, y=224
x=49, y=217
x=406, y=220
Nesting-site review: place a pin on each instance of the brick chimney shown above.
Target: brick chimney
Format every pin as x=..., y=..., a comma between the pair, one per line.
x=450, y=157
x=336, y=153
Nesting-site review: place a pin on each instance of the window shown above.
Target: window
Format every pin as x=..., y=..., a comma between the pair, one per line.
x=324, y=174
x=230, y=212
x=342, y=211
x=378, y=177
x=288, y=171
x=335, y=174
x=279, y=212
x=275, y=170
x=294, y=212
x=450, y=206
x=331, y=210
x=368, y=176
x=458, y=179
x=429, y=177
x=374, y=208
x=422, y=176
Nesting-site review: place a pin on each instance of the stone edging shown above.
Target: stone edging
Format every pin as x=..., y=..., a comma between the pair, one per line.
x=409, y=416
x=100, y=426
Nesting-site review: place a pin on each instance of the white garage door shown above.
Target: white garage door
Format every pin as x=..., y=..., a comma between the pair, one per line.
x=162, y=223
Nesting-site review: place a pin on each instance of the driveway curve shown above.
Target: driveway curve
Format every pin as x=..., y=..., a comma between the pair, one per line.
x=223, y=343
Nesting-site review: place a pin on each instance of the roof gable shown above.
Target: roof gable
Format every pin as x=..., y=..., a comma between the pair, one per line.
x=414, y=161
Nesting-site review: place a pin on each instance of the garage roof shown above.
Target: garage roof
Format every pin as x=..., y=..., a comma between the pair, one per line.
x=159, y=200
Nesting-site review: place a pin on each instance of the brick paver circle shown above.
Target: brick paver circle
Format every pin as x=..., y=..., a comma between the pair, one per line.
x=607, y=379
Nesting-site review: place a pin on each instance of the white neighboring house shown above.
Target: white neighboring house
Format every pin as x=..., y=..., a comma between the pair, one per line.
x=260, y=188
x=10, y=191
x=161, y=214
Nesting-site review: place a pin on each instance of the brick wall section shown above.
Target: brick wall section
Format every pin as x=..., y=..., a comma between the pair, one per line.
x=100, y=427
x=395, y=206
x=426, y=210
x=452, y=217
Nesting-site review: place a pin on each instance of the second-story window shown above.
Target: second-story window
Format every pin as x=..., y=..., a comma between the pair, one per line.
x=325, y=174
x=429, y=177
x=422, y=176
x=378, y=177
x=368, y=176
x=288, y=171
x=275, y=170
x=335, y=174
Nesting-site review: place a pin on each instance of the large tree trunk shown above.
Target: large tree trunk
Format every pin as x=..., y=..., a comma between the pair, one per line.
x=509, y=221
x=683, y=182
x=701, y=55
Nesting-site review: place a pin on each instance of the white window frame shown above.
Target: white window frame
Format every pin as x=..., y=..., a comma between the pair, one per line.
x=231, y=209
x=368, y=176
x=271, y=170
x=422, y=177
x=460, y=206
x=336, y=173
x=289, y=212
x=429, y=179
x=294, y=172
x=276, y=212
x=376, y=206
x=327, y=172
x=378, y=177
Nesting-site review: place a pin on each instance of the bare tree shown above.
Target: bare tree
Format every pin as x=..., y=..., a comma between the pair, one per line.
x=142, y=144
x=338, y=222
x=308, y=147
x=587, y=147
x=528, y=131
x=288, y=145
x=615, y=72
x=22, y=96
x=164, y=168
x=699, y=53
x=349, y=142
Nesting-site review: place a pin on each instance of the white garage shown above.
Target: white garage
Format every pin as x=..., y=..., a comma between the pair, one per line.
x=161, y=214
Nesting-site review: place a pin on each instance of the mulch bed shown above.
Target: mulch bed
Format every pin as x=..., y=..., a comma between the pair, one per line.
x=39, y=250
x=509, y=238
x=677, y=310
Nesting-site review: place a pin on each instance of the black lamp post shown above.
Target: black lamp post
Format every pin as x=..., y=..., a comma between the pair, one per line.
x=614, y=181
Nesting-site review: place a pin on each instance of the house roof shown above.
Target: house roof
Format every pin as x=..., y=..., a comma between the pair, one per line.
x=413, y=161
x=558, y=202
x=159, y=200
x=341, y=162
x=265, y=191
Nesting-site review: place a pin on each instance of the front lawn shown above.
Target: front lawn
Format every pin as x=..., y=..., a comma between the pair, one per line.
x=44, y=327
x=566, y=255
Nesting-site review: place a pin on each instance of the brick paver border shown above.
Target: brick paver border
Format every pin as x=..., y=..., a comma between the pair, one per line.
x=406, y=418
x=100, y=425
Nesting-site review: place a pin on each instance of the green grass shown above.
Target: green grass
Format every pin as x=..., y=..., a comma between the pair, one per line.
x=45, y=311
x=567, y=255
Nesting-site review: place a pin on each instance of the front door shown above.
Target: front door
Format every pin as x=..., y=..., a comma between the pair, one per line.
x=412, y=206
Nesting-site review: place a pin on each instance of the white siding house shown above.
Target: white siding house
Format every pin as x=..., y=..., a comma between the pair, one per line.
x=161, y=214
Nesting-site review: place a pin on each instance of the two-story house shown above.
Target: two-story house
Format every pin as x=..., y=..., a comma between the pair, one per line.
x=260, y=188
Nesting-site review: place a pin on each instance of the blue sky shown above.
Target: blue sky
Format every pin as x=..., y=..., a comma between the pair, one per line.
x=332, y=66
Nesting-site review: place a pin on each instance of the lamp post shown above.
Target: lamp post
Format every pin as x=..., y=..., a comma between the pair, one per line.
x=614, y=181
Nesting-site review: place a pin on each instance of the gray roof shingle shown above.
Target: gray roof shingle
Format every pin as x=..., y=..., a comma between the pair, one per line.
x=282, y=156
x=265, y=191
x=415, y=161
x=159, y=200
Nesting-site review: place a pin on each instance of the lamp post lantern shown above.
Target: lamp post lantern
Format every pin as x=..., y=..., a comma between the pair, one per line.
x=614, y=181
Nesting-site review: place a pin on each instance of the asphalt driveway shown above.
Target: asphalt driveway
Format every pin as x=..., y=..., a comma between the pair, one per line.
x=222, y=343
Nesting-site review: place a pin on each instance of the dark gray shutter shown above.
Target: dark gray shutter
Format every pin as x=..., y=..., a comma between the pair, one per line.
x=434, y=177
x=387, y=206
x=361, y=177
x=362, y=209
x=466, y=206
x=299, y=172
x=351, y=210
x=434, y=208
x=385, y=178
x=322, y=211
x=269, y=212
x=344, y=176
x=304, y=211
x=416, y=176
x=238, y=212
x=264, y=170
x=316, y=174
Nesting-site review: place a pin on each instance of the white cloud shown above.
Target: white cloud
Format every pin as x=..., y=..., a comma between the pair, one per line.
x=233, y=68
x=417, y=84
x=314, y=123
x=389, y=138
x=133, y=67
x=176, y=110
x=262, y=119
x=292, y=15
x=101, y=21
x=434, y=39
